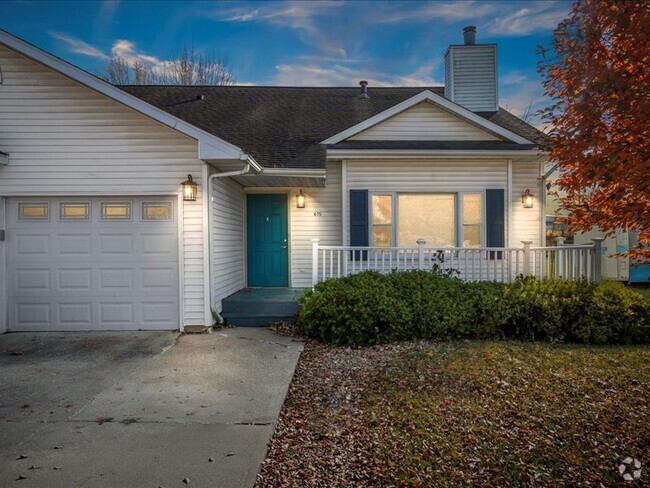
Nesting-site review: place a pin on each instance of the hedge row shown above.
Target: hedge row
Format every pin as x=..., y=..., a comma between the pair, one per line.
x=370, y=308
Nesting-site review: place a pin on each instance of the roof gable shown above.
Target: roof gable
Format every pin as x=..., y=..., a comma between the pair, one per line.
x=444, y=104
x=424, y=122
x=210, y=146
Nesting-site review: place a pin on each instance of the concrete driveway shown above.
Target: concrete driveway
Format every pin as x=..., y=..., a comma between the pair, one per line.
x=140, y=409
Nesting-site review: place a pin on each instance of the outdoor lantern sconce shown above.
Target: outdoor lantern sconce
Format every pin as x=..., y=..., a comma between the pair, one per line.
x=300, y=200
x=189, y=189
x=527, y=199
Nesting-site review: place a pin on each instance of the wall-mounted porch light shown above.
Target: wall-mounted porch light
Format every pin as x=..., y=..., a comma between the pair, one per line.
x=300, y=200
x=189, y=189
x=527, y=199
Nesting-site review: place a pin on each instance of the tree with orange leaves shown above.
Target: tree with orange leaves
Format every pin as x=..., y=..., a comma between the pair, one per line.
x=597, y=74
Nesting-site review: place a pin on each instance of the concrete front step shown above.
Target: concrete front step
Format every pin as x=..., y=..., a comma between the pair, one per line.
x=271, y=308
x=257, y=307
x=256, y=320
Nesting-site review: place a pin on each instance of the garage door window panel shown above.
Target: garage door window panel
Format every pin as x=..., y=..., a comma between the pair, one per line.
x=116, y=211
x=156, y=211
x=74, y=211
x=34, y=211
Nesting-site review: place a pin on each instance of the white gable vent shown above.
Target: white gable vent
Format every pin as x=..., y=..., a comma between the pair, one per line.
x=471, y=74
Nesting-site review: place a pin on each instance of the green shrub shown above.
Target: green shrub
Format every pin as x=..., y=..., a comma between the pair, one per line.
x=616, y=315
x=359, y=309
x=371, y=308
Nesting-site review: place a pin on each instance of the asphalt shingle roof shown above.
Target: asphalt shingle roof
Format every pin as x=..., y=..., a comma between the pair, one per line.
x=283, y=126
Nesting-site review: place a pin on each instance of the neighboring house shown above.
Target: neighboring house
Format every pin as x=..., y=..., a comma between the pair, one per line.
x=95, y=232
x=613, y=267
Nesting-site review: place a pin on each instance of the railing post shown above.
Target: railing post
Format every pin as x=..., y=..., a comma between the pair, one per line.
x=598, y=249
x=560, y=258
x=314, y=261
x=526, y=266
x=421, y=243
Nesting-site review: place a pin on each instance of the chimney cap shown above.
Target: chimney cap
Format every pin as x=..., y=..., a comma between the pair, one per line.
x=469, y=34
x=364, y=89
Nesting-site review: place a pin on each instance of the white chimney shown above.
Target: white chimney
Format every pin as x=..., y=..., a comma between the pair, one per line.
x=471, y=74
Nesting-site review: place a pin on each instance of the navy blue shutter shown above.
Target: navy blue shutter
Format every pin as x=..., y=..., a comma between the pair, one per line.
x=359, y=219
x=495, y=216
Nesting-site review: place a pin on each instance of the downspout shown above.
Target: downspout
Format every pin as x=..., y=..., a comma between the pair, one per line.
x=243, y=171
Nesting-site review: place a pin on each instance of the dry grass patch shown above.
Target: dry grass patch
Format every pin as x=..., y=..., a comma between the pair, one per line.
x=471, y=413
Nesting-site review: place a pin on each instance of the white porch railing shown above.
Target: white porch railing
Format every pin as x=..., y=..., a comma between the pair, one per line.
x=502, y=264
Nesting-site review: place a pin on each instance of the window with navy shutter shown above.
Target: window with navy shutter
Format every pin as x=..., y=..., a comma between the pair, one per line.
x=359, y=221
x=495, y=220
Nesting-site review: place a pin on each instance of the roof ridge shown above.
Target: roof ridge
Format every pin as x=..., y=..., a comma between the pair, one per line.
x=285, y=87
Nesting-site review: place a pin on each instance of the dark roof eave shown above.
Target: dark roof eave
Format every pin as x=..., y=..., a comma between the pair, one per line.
x=433, y=145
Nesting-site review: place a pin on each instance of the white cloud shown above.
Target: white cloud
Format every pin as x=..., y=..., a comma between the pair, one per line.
x=297, y=15
x=339, y=75
x=123, y=48
x=448, y=11
x=528, y=20
x=127, y=51
x=78, y=46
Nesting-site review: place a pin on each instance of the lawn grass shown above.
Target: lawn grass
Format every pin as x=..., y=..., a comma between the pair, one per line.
x=497, y=414
x=461, y=414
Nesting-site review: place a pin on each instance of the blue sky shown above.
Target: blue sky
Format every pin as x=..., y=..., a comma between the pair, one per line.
x=317, y=43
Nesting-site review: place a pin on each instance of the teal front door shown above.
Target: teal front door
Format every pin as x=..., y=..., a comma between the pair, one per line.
x=268, y=250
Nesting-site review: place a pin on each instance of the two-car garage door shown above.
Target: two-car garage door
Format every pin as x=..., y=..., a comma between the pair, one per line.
x=92, y=264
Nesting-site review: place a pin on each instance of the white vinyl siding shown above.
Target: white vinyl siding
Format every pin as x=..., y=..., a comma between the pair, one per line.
x=321, y=218
x=526, y=222
x=227, y=239
x=424, y=122
x=471, y=77
x=194, y=265
x=67, y=140
x=3, y=275
x=451, y=176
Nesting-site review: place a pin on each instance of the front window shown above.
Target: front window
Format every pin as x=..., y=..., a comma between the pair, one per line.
x=430, y=217
x=472, y=220
x=382, y=220
x=442, y=219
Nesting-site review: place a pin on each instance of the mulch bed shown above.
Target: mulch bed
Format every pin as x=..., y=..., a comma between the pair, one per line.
x=321, y=438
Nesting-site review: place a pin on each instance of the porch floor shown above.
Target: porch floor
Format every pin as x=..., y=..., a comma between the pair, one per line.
x=257, y=307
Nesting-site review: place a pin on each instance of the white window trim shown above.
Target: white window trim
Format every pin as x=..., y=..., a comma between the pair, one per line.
x=458, y=206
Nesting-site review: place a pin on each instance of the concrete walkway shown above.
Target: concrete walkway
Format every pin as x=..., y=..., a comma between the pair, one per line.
x=140, y=409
